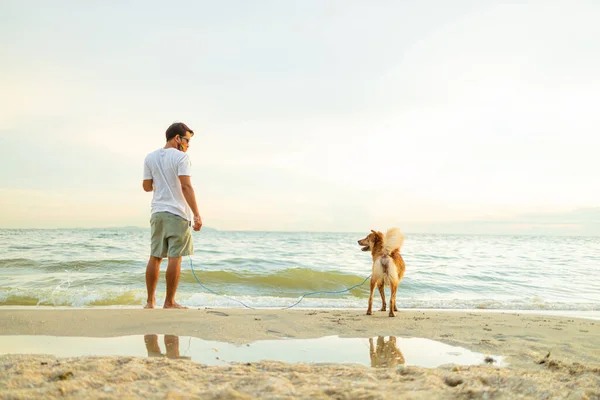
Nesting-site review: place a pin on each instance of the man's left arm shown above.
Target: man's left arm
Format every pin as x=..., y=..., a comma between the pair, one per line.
x=147, y=185
x=147, y=182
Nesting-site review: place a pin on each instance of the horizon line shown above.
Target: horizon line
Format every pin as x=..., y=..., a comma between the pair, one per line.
x=313, y=231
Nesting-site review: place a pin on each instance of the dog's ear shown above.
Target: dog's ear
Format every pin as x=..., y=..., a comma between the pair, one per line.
x=377, y=236
x=373, y=231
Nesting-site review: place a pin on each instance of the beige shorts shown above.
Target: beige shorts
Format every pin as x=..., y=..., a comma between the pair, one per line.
x=171, y=236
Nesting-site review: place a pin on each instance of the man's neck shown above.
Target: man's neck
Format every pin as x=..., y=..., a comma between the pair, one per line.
x=170, y=145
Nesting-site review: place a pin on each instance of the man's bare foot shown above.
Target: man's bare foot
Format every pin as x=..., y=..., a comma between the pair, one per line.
x=149, y=305
x=174, y=305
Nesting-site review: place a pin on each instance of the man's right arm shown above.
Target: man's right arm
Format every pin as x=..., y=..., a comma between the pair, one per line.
x=190, y=198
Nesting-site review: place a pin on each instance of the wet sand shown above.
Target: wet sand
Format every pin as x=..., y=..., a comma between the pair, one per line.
x=547, y=356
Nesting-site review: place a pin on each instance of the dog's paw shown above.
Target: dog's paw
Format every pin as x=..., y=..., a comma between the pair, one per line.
x=369, y=313
x=391, y=314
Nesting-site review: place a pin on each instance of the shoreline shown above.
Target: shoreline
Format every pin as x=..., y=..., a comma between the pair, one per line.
x=545, y=355
x=583, y=314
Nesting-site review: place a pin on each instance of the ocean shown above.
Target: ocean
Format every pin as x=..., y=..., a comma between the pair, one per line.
x=106, y=268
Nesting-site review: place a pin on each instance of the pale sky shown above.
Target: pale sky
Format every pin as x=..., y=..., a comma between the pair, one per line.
x=309, y=115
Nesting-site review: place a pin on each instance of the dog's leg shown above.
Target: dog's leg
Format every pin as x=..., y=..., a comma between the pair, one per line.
x=382, y=293
x=380, y=343
x=393, y=289
x=370, y=309
x=396, y=308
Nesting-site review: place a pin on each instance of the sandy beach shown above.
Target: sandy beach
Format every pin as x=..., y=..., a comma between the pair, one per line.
x=546, y=356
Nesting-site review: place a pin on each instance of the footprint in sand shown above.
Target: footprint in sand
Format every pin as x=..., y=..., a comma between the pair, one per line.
x=219, y=313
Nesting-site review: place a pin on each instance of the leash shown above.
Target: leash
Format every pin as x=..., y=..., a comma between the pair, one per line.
x=284, y=308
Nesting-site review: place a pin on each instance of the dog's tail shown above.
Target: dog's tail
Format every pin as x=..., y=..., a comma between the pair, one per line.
x=394, y=239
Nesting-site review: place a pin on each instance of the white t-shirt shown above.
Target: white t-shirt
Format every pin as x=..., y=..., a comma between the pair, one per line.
x=164, y=167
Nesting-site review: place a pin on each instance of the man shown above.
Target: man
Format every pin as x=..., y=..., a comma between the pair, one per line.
x=167, y=173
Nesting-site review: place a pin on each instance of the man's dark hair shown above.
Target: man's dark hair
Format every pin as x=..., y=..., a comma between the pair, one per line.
x=177, y=128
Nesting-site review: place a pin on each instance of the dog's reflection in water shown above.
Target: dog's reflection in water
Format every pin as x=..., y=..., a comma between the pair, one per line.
x=171, y=346
x=386, y=354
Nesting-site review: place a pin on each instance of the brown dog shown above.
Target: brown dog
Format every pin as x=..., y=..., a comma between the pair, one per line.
x=388, y=265
x=386, y=354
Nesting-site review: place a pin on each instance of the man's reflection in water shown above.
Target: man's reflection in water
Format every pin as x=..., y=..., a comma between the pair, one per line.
x=171, y=346
x=386, y=354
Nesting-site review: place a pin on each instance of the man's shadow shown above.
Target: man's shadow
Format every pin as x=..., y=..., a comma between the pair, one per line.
x=171, y=346
x=386, y=354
